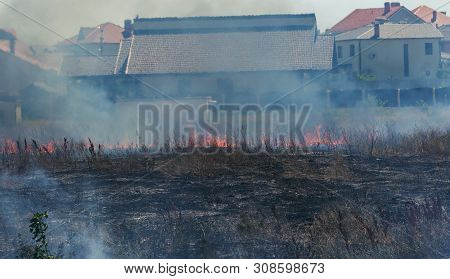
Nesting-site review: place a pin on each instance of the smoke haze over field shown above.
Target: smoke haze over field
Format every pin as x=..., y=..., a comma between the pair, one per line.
x=91, y=114
x=67, y=16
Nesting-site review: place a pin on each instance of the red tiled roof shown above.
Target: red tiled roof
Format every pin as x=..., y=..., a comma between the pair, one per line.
x=362, y=17
x=426, y=13
x=111, y=34
x=22, y=50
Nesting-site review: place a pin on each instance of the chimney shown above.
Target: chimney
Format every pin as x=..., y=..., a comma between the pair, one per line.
x=11, y=37
x=128, y=26
x=12, y=45
x=387, y=8
x=101, y=41
x=376, y=30
x=434, y=19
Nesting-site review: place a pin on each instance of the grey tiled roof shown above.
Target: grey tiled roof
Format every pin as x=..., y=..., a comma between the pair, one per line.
x=393, y=31
x=77, y=66
x=323, y=53
x=230, y=52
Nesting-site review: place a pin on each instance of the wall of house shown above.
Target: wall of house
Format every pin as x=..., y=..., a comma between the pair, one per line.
x=16, y=74
x=445, y=46
x=10, y=114
x=385, y=60
x=262, y=87
x=16, y=78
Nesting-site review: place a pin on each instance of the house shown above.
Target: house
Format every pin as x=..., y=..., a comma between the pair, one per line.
x=19, y=71
x=103, y=39
x=9, y=43
x=229, y=58
x=392, y=12
x=430, y=15
x=392, y=52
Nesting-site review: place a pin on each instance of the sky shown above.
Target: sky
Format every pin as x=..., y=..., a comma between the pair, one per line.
x=67, y=16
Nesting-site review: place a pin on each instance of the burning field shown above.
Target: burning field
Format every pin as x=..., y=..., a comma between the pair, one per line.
x=229, y=137
x=361, y=194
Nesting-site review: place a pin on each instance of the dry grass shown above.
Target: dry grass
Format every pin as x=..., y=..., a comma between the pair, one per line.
x=345, y=231
x=349, y=232
x=373, y=141
x=417, y=230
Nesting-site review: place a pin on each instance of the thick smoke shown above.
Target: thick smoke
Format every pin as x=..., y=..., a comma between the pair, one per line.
x=91, y=114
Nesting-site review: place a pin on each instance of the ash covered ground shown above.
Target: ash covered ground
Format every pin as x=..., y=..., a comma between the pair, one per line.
x=316, y=205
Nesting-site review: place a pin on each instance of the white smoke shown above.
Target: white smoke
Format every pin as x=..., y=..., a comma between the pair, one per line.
x=67, y=16
x=23, y=195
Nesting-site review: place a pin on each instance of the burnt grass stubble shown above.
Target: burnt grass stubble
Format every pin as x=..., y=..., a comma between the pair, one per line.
x=382, y=196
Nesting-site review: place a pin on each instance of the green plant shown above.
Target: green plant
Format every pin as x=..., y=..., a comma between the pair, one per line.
x=38, y=227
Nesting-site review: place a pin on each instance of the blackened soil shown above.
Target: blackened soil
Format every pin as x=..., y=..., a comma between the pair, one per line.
x=199, y=206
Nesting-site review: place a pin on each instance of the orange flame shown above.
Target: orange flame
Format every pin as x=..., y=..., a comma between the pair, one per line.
x=319, y=137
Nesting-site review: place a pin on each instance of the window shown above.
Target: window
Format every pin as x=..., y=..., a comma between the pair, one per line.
x=339, y=51
x=352, y=50
x=406, y=60
x=428, y=49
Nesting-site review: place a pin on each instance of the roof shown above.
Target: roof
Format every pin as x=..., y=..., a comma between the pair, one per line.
x=392, y=31
x=22, y=50
x=111, y=34
x=229, y=52
x=88, y=65
x=223, y=24
x=426, y=14
x=445, y=30
x=212, y=45
x=362, y=17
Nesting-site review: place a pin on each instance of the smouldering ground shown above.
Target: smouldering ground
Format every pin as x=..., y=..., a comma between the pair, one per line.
x=234, y=206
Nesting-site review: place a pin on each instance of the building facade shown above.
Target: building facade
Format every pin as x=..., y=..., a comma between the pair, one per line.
x=20, y=70
x=392, y=52
x=227, y=58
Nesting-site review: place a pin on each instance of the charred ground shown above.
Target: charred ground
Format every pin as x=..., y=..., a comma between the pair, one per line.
x=334, y=203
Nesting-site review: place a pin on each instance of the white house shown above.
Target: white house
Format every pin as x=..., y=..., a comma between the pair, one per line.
x=391, y=52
